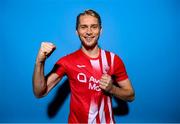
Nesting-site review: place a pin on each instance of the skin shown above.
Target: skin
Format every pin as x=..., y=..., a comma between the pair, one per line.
x=88, y=31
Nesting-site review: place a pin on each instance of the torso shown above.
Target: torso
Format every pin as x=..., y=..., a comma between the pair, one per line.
x=89, y=104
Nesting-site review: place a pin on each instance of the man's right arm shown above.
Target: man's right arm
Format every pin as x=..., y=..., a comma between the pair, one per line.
x=43, y=84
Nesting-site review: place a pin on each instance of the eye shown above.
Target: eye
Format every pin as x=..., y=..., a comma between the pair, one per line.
x=83, y=27
x=95, y=26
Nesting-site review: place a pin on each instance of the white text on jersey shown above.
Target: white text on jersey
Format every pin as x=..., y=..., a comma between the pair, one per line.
x=93, y=82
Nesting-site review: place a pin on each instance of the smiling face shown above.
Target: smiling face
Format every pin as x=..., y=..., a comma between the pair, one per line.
x=88, y=31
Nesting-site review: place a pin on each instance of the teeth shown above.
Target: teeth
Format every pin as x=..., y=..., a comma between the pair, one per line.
x=89, y=38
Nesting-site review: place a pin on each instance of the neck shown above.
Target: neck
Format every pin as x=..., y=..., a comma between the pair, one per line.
x=93, y=53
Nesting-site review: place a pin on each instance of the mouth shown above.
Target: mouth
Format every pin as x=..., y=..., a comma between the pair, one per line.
x=89, y=39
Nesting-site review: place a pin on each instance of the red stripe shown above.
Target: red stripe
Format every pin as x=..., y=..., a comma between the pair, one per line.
x=98, y=119
x=107, y=113
x=100, y=62
x=108, y=56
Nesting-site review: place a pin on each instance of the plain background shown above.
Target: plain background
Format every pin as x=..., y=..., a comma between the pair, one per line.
x=145, y=34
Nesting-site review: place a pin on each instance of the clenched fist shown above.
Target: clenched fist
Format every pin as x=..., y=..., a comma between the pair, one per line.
x=45, y=51
x=106, y=82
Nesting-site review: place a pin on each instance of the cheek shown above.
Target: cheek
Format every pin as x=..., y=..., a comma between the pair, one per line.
x=82, y=33
x=97, y=33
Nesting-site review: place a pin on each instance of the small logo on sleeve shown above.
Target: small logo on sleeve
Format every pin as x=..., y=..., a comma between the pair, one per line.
x=81, y=66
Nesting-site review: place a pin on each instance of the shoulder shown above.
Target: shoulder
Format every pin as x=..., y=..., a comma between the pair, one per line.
x=69, y=57
x=110, y=54
x=113, y=57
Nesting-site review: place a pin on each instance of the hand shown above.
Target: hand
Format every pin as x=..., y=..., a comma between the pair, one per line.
x=45, y=51
x=106, y=82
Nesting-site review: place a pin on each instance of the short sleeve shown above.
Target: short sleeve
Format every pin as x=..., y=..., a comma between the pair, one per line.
x=119, y=69
x=59, y=67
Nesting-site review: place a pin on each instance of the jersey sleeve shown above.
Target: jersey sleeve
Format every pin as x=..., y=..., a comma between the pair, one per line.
x=119, y=69
x=59, y=67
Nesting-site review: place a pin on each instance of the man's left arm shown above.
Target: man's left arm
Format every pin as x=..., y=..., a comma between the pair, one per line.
x=123, y=91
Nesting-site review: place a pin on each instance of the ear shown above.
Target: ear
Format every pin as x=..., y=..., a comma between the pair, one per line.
x=77, y=32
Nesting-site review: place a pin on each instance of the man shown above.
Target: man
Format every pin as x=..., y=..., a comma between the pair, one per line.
x=94, y=74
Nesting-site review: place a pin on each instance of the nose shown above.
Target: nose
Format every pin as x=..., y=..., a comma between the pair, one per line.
x=89, y=31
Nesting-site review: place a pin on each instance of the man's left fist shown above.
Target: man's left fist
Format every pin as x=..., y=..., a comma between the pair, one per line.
x=106, y=82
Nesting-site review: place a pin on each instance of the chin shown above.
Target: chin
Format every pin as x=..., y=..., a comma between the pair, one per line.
x=89, y=46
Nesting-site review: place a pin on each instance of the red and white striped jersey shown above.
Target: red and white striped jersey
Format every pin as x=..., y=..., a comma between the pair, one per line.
x=88, y=103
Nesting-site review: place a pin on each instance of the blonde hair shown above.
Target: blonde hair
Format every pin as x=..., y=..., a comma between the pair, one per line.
x=88, y=12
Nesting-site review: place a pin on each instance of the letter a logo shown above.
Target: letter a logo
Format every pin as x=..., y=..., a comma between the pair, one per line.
x=82, y=77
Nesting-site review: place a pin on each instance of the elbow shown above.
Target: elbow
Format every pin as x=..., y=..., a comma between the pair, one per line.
x=39, y=93
x=131, y=96
x=38, y=96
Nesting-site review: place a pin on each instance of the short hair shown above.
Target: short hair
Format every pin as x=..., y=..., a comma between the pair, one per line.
x=88, y=12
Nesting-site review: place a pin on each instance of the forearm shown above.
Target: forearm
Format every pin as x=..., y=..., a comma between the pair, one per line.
x=39, y=81
x=123, y=94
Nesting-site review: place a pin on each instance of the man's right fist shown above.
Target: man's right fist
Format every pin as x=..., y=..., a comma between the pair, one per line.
x=45, y=51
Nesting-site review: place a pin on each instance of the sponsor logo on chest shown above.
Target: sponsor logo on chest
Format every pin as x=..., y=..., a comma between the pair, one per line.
x=93, y=83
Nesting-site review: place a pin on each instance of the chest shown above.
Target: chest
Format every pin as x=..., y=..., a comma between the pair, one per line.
x=85, y=74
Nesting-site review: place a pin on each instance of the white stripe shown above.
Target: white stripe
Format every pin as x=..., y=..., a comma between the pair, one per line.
x=93, y=111
x=102, y=113
x=110, y=109
x=95, y=64
x=105, y=66
x=112, y=61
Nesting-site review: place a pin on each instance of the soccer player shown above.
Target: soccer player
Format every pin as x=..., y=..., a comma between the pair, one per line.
x=94, y=74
